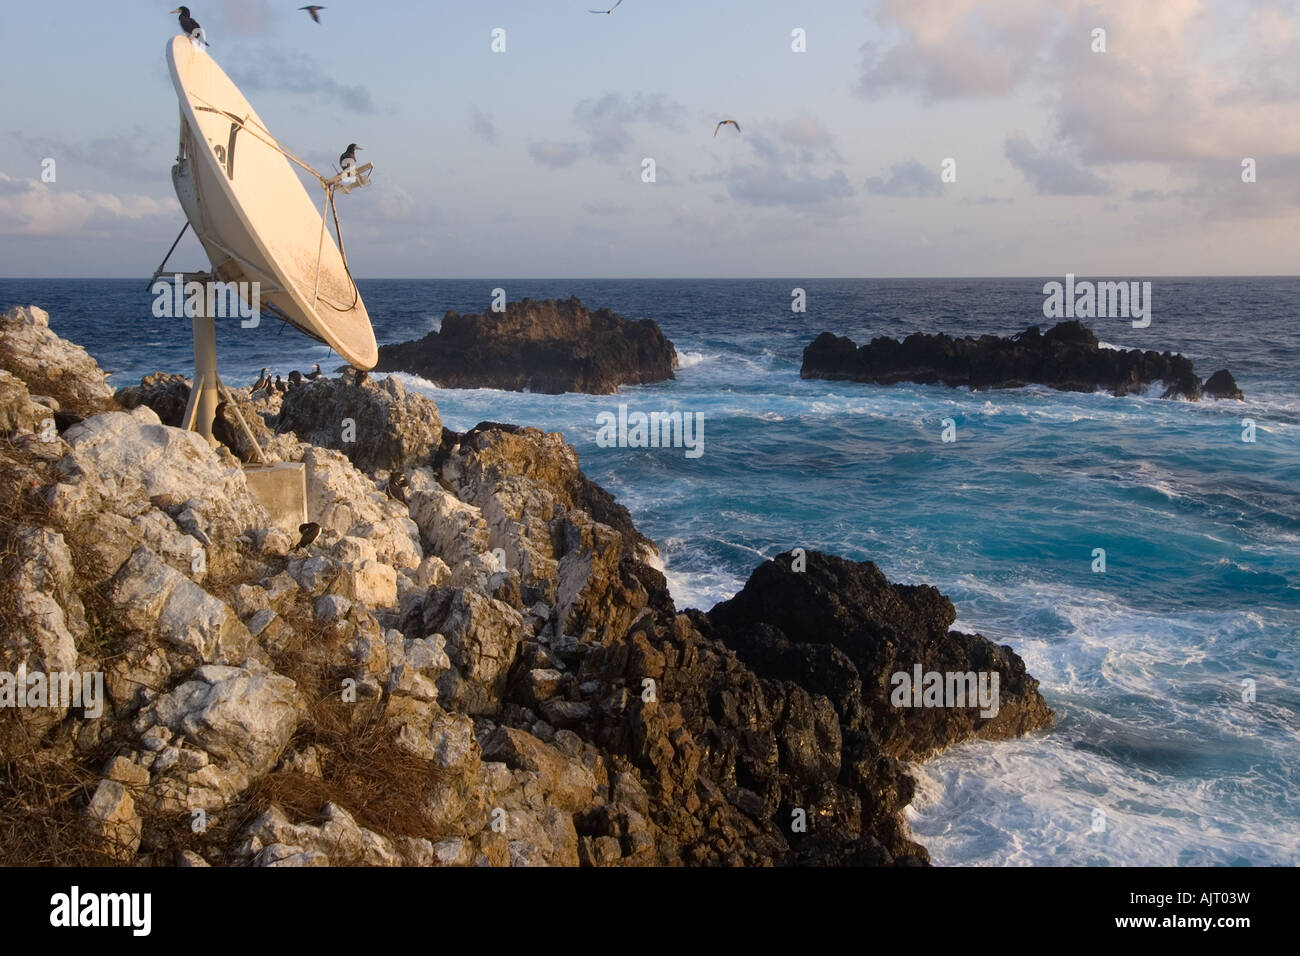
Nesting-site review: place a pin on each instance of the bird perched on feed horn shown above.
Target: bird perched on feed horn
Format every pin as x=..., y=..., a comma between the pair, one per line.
x=349, y=157
x=314, y=373
x=190, y=27
x=397, y=485
x=726, y=123
x=314, y=9
x=310, y=532
x=263, y=380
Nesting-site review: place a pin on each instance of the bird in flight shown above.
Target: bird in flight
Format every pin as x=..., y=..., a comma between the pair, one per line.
x=314, y=10
x=726, y=123
x=349, y=157
x=190, y=27
x=610, y=10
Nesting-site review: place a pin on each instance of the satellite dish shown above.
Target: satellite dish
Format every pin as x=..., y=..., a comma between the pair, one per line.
x=257, y=223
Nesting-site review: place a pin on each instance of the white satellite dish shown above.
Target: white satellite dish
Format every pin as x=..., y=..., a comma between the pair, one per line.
x=257, y=223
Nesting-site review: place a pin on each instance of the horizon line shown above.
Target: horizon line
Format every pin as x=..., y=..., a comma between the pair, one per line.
x=805, y=278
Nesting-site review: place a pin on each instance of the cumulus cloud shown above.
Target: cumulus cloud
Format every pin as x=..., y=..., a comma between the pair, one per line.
x=124, y=156
x=1052, y=174
x=289, y=71
x=1188, y=84
x=774, y=186
x=606, y=120
x=907, y=179
x=806, y=130
x=954, y=48
x=32, y=208
x=555, y=155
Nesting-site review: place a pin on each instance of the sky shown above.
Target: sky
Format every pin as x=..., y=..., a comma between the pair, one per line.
x=526, y=163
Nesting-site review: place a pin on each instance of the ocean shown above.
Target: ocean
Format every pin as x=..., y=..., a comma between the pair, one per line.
x=1158, y=756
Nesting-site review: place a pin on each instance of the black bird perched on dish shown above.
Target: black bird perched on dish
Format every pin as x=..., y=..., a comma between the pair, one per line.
x=263, y=380
x=349, y=157
x=310, y=532
x=610, y=10
x=726, y=123
x=397, y=485
x=314, y=10
x=314, y=373
x=190, y=27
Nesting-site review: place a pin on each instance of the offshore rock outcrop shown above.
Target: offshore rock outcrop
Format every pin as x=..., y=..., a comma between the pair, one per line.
x=488, y=672
x=1068, y=357
x=548, y=346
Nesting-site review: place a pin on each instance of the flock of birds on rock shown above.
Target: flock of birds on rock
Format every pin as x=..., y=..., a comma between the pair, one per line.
x=190, y=27
x=265, y=383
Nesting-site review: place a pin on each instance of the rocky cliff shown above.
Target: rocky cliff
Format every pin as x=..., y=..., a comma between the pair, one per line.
x=1068, y=357
x=547, y=346
x=479, y=666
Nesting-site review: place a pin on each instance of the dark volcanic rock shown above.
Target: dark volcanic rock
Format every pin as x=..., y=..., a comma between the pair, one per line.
x=377, y=424
x=549, y=346
x=1222, y=385
x=845, y=631
x=1067, y=357
x=165, y=393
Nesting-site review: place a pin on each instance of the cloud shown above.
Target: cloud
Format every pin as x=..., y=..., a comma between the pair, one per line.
x=774, y=186
x=807, y=131
x=954, y=48
x=555, y=155
x=31, y=208
x=288, y=71
x=1052, y=174
x=124, y=156
x=606, y=120
x=481, y=125
x=907, y=179
x=1192, y=85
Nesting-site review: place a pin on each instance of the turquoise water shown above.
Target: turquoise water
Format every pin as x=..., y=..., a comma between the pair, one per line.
x=1143, y=663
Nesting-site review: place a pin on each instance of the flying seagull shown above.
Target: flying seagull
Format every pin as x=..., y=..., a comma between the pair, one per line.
x=310, y=532
x=726, y=123
x=349, y=157
x=610, y=10
x=190, y=27
x=314, y=10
